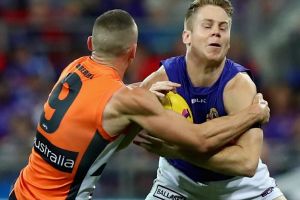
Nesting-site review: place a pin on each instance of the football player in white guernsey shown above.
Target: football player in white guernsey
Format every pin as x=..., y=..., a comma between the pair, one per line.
x=207, y=38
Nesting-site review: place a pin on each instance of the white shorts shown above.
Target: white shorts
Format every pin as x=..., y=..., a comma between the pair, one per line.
x=172, y=184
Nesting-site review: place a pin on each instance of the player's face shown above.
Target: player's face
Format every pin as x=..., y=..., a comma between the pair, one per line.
x=210, y=34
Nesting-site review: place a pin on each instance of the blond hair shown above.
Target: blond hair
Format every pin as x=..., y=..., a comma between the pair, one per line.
x=195, y=5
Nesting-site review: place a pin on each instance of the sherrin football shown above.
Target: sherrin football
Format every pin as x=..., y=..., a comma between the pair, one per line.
x=177, y=103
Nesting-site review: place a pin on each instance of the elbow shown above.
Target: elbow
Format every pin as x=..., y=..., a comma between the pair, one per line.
x=250, y=172
x=249, y=168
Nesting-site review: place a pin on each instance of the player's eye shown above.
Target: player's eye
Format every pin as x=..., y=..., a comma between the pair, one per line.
x=206, y=25
x=223, y=27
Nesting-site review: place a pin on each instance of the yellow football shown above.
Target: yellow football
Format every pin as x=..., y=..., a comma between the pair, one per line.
x=177, y=103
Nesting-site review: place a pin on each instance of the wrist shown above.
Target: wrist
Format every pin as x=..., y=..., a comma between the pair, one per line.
x=255, y=113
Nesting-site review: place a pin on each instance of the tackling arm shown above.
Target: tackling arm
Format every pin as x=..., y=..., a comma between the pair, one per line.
x=241, y=158
x=245, y=153
x=140, y=106
x=217, y=132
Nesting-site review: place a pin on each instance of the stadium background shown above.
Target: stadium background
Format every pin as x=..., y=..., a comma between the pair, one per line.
x=40, y=37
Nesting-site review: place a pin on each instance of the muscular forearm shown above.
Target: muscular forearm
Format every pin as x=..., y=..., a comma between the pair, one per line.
x=239, y=159
x=226, y=162
x=220, y=131
x=200, y=138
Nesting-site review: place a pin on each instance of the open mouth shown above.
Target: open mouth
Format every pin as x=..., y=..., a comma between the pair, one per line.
x=215, y=45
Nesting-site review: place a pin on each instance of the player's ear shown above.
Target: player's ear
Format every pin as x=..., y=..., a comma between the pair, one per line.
x=133, y=51
x=186, y=37
x=89, y=43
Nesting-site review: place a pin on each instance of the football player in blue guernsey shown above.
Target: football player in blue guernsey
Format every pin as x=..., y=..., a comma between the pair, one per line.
x=213, y=86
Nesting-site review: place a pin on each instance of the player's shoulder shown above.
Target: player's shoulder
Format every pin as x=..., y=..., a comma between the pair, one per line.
x=239, y=92
x=241, y=76
x=240, y=81
x=159, y=75
x=161, y=72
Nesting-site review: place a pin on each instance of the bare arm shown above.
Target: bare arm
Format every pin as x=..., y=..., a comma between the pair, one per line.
x=159, y=75
x=242, y=157
x=231, y=160
x=214, y=139
x=142, y=107
x=202, y=138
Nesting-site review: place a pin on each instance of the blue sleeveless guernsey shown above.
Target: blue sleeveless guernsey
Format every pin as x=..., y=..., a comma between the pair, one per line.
x=205, y=103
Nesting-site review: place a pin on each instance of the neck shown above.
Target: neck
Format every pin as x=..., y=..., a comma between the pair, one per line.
x=116, y=63
x=203, y=73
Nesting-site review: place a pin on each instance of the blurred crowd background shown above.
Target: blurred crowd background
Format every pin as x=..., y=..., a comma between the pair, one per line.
x=38, y=38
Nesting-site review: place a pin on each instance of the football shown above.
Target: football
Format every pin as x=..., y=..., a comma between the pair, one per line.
x=177, y=103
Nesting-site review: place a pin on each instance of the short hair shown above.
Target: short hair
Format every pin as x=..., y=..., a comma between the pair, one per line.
x=114, y=32
x=196, y=4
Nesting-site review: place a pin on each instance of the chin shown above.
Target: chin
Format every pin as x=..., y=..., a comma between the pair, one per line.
x=216, y=59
